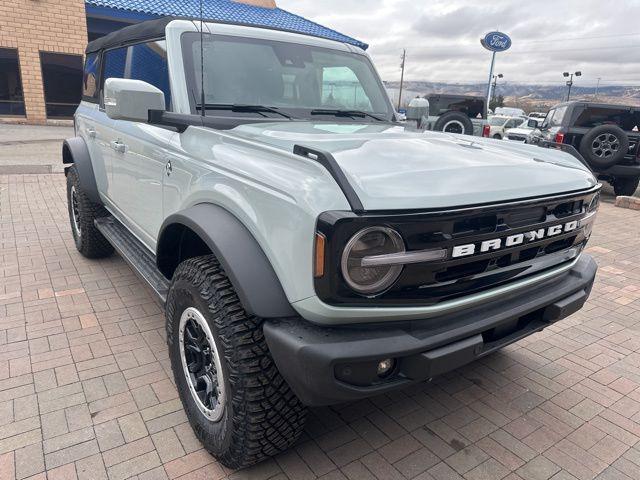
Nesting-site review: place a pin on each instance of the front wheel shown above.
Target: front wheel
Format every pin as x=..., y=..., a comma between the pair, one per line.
x=626, y=186
x=238, y=404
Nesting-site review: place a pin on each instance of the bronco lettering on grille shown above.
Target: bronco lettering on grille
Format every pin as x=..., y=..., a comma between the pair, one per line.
x=513, y=240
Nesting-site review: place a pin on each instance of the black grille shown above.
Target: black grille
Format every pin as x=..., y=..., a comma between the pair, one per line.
x=432, y=282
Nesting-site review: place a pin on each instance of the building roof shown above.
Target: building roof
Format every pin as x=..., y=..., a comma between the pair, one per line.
x=227, y=11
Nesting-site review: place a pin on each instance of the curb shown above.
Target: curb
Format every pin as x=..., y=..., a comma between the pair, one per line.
x=632, y=203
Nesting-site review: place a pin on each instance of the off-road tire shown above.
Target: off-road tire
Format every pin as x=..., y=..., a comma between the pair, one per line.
x=458, y=119
x=262, y=416
x=89, y=241
x=591, y=155
x=497, y=136
x=625, y=186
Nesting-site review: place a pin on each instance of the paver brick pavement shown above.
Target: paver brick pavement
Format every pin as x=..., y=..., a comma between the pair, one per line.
x=86, y=390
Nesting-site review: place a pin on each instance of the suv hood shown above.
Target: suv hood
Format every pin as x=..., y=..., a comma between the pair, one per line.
x=392, y=168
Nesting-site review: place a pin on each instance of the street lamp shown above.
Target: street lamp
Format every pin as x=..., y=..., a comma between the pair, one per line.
x=495, y=82
x=570, y=81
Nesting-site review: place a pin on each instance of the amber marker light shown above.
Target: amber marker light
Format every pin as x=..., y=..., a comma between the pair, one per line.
x=318, y=264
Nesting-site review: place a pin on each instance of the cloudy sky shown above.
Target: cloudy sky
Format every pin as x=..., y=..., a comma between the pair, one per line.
x=599, y=37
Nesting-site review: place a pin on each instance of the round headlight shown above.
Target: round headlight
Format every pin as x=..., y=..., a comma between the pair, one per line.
x=369, y=242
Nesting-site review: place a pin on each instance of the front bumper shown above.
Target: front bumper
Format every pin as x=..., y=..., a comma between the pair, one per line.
x=328, y=365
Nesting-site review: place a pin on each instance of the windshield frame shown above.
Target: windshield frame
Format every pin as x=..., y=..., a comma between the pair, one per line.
x=187, y=39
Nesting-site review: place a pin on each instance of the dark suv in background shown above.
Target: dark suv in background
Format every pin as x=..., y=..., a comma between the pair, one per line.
x=606, y=136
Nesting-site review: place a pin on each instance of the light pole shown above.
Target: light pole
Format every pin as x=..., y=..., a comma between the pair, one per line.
x=570, y=81
x=495, y=83
x=403, y=58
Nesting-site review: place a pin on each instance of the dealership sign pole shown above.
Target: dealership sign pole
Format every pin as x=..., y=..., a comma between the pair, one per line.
x=494, y=42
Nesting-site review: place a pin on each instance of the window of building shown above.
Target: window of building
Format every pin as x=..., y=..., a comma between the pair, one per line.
x=62, y=79
x=11, y=96
x=90, y=77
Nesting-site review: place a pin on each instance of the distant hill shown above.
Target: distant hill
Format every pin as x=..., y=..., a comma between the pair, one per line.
x=529, y=97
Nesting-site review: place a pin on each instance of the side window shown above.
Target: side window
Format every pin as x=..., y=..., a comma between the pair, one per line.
x=556, y=119
x=90, y=78
x=148, y=62
x=342, y=89
x=115, y=62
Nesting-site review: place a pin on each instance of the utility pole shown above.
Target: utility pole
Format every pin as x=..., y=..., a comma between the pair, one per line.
x=570, y=81
x=595, y=97
x=403, y=58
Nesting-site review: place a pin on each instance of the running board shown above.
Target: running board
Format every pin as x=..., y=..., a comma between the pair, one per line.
x=135, y=254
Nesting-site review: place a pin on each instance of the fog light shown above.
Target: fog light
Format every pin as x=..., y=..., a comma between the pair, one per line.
x=385, y=366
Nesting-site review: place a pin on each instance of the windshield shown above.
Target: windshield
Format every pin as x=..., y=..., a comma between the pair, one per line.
x=292, y=78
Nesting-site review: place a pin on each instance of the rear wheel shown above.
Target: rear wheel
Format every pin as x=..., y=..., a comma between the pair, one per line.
x=454, y=122
x=82, y=213
x=238, y=404
x=625, y=186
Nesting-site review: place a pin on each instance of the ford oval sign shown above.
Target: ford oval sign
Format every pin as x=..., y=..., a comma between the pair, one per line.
x=496, y=41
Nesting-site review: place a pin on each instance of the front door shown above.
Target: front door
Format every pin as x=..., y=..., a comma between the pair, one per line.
x=138, y=158
x=139, y=167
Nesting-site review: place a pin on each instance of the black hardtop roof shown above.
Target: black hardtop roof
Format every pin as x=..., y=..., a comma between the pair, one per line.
x=595, y=105
x=147, y=30
x=152, y=29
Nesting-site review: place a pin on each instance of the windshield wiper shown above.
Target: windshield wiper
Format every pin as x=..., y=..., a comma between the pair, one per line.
x=345, y=113
x=237, y=107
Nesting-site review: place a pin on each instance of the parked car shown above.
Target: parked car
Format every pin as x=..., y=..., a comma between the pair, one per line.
x=605, y=135
x=461, y=114
x=308, y=250
x=498, y=125
x=522, y=133
x=510, y=112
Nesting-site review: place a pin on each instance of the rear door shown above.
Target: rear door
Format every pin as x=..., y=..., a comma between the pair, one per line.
x=92, y=124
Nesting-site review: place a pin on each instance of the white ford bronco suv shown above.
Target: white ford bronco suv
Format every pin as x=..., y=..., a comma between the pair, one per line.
x=308, y=249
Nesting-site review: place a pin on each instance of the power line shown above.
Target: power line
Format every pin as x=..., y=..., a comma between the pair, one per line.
x=569, y=39
x=619, y=47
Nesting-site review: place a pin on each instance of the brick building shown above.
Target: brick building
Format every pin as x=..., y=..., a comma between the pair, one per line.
x=42, y=43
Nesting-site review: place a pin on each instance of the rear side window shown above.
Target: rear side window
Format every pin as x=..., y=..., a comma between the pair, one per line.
x=148, y=62
x=622, y=117
x=90, y=78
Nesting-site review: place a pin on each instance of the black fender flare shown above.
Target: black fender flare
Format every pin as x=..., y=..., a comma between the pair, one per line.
x=242, y=258
x=75, y=151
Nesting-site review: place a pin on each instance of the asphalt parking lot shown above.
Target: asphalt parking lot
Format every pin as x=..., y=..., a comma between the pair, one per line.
x=86, y=389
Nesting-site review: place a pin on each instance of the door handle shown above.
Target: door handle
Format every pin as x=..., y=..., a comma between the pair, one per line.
x=168, y=168
x=91, y=132
x=118, y=146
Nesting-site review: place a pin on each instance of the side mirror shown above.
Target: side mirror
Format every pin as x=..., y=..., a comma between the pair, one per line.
x=131, y=100
x=532, y=123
